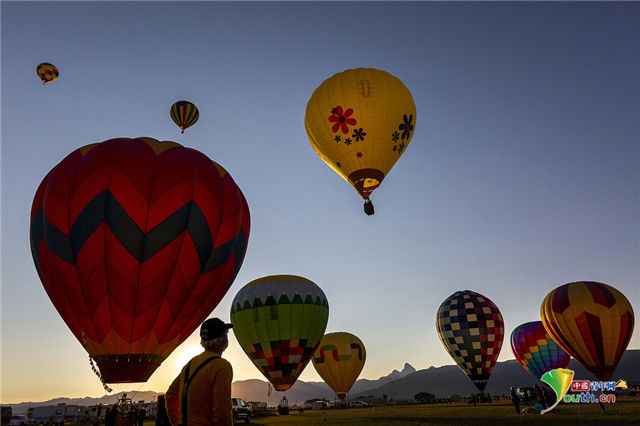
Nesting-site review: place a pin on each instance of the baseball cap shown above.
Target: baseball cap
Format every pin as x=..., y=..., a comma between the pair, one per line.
x=213, y=328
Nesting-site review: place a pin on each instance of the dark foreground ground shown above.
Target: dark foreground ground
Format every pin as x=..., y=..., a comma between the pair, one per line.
x=626, y=411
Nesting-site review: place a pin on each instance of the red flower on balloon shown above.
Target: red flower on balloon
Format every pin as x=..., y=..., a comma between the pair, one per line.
x=341, y=119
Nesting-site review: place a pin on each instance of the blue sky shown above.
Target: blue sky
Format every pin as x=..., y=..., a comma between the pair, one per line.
x=522, y=174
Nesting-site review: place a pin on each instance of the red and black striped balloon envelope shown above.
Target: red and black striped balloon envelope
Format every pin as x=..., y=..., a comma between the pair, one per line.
x=591, y=321
x=136, y=241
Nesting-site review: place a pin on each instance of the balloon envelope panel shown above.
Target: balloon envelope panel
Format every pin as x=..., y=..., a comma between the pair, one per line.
x=536, y=351
x=279, y=321
x=339, y=360
x=360, y=122
x=471, y=328
x=591, y=321
x=135, y=242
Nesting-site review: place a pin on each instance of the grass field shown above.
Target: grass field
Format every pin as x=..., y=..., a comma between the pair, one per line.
x=626, y=411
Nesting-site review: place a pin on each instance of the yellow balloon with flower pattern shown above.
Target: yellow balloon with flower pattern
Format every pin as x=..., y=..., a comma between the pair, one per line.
x=360, y=122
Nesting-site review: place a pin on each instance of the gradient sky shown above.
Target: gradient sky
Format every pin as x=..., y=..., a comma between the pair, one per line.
x=522, y=174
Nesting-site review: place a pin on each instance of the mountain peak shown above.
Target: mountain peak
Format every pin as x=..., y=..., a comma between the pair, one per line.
x=408, y=369
x=395, y=374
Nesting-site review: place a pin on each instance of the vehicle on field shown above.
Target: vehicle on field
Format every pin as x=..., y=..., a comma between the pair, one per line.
x=241, y=411
x=21, y=419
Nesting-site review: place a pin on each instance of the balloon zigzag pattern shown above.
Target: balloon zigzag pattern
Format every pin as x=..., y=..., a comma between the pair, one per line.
x=136, y=241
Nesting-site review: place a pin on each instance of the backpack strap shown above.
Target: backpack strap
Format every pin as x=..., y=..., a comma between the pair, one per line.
x=185, y=388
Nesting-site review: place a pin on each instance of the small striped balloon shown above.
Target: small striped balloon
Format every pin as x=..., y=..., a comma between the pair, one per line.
x=47, y=72
x=184, y=114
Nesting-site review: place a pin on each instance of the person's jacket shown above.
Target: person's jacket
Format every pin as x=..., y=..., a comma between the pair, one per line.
x=209, y=393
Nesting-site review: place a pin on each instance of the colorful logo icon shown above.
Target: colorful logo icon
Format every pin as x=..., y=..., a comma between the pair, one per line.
x=621, y=384
x=560, y=381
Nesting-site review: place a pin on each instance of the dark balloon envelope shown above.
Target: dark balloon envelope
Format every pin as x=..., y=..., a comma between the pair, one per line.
x=470, y=327
x=136, y=241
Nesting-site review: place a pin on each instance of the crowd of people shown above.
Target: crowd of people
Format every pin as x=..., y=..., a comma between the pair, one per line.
x=116, y=414
x=534, y=398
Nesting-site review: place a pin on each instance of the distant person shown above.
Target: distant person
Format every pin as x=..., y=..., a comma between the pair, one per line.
x=162, y=419
x=515, y=399
x=201, y=393
x=141, y=416
x=108, y=417
x=530, y=396
x=540, y=396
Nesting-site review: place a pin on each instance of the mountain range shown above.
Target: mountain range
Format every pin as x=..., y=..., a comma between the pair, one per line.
x=399, y=385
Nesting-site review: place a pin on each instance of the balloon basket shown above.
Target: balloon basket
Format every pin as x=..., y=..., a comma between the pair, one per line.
x=368, y=207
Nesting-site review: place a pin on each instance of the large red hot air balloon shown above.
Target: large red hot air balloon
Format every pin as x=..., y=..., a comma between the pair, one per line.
x=135, y=242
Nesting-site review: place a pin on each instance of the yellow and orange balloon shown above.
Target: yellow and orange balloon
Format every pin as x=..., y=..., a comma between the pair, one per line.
x=591, y=321
x=360, y=122
x=47, y=72
x=339, y=360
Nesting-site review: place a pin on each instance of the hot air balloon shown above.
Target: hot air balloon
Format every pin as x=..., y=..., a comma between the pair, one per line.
x=536, y=351
x=279, y=321
x=135, y=242
x=470, y=327
x=360, y=122
x=184, y=114
x=47, y=72
x=339, y=360
x=591, y=321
